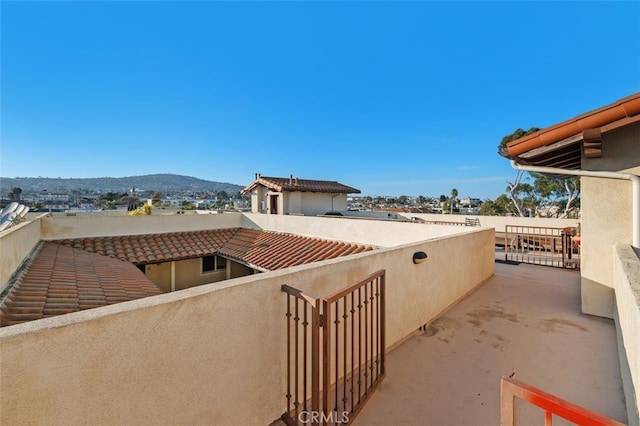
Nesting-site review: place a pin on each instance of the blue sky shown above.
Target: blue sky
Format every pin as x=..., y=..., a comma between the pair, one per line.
x=389, y=97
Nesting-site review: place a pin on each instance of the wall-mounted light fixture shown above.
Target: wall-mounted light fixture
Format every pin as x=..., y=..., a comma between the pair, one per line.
x=419, y=257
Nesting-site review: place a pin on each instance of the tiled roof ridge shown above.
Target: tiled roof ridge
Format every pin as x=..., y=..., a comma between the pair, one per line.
x=281, y=184
x=331, y=240
x=20, y=272
x=134, y=253
x=271, y=250
x=63, y=279
x=256, y=248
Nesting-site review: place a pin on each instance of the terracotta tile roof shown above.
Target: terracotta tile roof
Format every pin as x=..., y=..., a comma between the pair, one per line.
x=60, y=279
x=303, y=185
x=155, y=248
x=267, y=250
x=264, y=250
x=564, y=139
x=75, y=274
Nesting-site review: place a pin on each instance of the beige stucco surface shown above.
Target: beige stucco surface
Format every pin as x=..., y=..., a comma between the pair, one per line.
x=373, y=232
x=297, y=202
x=99, y=225
x=189, y=274
x=497, y=222
x=293, y=203
x=212, y=354
x=606, y=217
x=627, y=290
x=315, y=203
x=16, y=244
x=525, y=320
x=160, y=275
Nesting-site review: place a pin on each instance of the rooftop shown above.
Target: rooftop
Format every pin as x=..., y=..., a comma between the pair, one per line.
x=565, y=144
x=525, y=320
x=261, y=250
x=304, y=185
x=69, y=275
x=60, y=280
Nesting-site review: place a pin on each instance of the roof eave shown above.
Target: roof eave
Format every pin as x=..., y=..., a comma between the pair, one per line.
x=623, y=110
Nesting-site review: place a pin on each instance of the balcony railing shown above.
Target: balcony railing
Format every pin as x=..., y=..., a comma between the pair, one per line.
x=511, y=389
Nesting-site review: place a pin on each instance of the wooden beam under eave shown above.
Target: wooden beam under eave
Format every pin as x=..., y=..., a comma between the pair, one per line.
x=592, y=143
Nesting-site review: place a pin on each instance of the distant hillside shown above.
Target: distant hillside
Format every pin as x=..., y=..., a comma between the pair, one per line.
x=166, y=183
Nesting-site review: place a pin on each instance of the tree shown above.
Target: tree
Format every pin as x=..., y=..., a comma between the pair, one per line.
x=14, y=194
x=517, y=134
x=560, y=193
x=403, y=199
x=501, y=206
x=512, y=187
x=188, y=206
x=491, y=208
x=110, y=198
x=454, y=194
x=550, y=192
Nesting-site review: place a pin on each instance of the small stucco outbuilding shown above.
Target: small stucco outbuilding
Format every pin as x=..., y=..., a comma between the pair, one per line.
x=274, y=195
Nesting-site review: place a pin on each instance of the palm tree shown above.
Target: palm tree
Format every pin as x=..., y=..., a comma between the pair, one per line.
x=454, y=194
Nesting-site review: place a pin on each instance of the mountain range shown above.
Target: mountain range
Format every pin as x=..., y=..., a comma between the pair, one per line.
x=166, y=183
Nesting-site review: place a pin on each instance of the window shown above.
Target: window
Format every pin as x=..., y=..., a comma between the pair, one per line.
x=213, y=263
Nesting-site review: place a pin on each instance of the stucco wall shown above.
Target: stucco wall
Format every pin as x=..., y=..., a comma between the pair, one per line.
x=362, y=231
x=627, y=290
x=16, y=243
x=315, y=203
x=258, y=197
x=160, y=275
x=499, y=222
x=212, y=354
x=606, y=217
x=98, y=225
x=293, y=203
x=238, y=270
x=189, y=274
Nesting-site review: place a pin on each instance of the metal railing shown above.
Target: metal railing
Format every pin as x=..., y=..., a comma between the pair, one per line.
x=511, y=389
x=303, y=354
x=541, y=246
x=334, y=362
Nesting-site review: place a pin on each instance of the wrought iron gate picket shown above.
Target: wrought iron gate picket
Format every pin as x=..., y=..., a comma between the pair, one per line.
x=541, y=246
x=332, y=372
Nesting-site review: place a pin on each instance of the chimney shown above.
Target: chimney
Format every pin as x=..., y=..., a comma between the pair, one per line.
x=257, y=176
x=290, y=179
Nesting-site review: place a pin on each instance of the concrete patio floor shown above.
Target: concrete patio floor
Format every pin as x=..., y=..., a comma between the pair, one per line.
x=525, y=319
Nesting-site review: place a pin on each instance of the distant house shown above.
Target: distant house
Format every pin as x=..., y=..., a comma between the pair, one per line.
x=274, y=195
